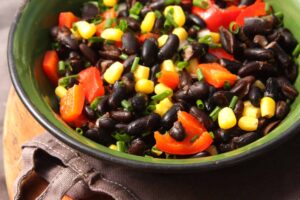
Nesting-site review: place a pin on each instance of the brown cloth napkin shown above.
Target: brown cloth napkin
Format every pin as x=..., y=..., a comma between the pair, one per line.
x=275, y=175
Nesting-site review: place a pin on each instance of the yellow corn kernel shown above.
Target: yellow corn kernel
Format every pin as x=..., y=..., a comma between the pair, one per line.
x=148, y=22
x=113, y=34
x=163, y=106
x=75, y=33
x=160, y=88
x=178, y=14
x=162, y=40
x=85, y=29
x=247, y=104
x=215, y=37
x=60, y=91
x=260, y=85
x=168, y=65
x=248, y=123
x=226, y=118
x=110, y=3
x=144, y=86
x=141, y=72
x=267, y=107
x=251, y=111
x=193, y=66
x=114, y=72
x=181, y=33
x=113, y=147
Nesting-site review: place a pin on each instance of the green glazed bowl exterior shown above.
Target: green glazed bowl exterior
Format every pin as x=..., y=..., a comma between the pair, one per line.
x=29, y=39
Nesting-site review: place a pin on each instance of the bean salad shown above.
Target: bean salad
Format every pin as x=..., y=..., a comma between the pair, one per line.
x=173, y=78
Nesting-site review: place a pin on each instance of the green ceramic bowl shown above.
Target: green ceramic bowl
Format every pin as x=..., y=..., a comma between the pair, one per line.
x=29, y=39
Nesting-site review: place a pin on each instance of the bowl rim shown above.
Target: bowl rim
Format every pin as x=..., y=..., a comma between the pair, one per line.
x=144, y=166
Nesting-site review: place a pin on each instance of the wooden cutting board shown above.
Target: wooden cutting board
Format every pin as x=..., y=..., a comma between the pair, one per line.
x=19, y=127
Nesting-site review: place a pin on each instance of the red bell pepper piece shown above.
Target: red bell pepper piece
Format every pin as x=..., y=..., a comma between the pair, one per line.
x=229, y=15
x=71, y=105
x=221, y=53
x=91, y=81
x=50, y=64
x=217, y=75
x=255, y=10
x=145, y=36
x=169, y=78
x=190, y=124
x=109, y=14
x=67, y=19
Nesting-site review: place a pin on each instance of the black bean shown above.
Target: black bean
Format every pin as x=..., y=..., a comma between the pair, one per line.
x=257, y=68
x=195, y=20
x=103, y=105
x=246, y=2
x=170, y=48
x=232, y=66
x=130, y=44
x=177, y=132
x=89, y=112
x=170, y=116
x=284, y=59
x=182, y=95
x=225, y=147
x=193, y=32
x=137, y=147
x=158, y=25
x=221, y=136
x=258, y=54
x=291, y=72
x=221, y=3
x=244, y=139
x=139, y=102
x=260, y=40
x=185, y=79
x=254, y=26
x=229, y=42
x=255, y=95
x=202, y=117
x=149, y=52
x=75, y=61
x=105, y=122
x=221, y=98
x=119, y=93
x=110, y=52
x=270, y=127
x=88, y=53
x=209, y=58
x=133, y=24
x=128, y=63
x=272, y=88
x=154, y=70
x=157, y=5
x=194, y=50
x=289, y=91
x=145, y=124
x=89, y=11
x=103, y=65
x=98, y=135
x=121, y=127
x=128, y=80
x=201, y=155
x=288, y=41
x=64, y=36
x=239, y=108
x=199, y=90
x=282, y=109
x=121, y=116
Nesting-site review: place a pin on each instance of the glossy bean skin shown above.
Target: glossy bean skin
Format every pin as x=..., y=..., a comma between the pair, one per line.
x=170, y=116
x=89, y=11
x=185, y=79
x=158, y=25
x=254, y=26
x=221, y=136
x=232, y=66
x=199, y=90
x=137, y=147
x=103, y=105
x=272, y=88
x=110, y=52
x=195, y=20
x=128, y=63
x=195, y=50
x=106, y=122
x=202, y=117
x=99, y=135
x=64, y=36
x=133, y=24
x=157, y=5
x=288, y=41
x=282, y=109
x=154, y=70
x=89, y=112
x=130, y=44
x=291, y=72
x=258, y=54
x=209, y=58
x=88, y=53
x=75, y=61
x=257, y=68
x=288, y=90
x=117, y=95
x=284, y=59
x=141, y=125
x=221, y=98
x=170, y=48
x=128, y=80
x=246, y=2
x=229, y=42
x=255, y=95
x=149, y=52
x=261, y=40
x=270, y=127
x=244, y=139
x=239, y=108
x=121, y=116
x=177, y=132
x=139, y=102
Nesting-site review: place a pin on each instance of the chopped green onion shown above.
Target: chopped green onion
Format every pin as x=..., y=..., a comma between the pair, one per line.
x=101, y=6
x=150, y=108
x=135, y=64
x=136, y=17
x=158, y=14
x=279, y=16
x=122, y=137
x=211, y=134
x=182, y=65
x=233, y=102
x=296, y=51
x=156, y=151
x=170, y=20
x=61, y=67
x=194, y=138
x=201, y=4
x=64, y=81
x=79, y=130
x=123, y=56
x=55, y=46
x=95, y=103
x=196, y=27
x=136, y=9
x=200, y=74
x=95, y=40
x=234, y=28
x=200, y=104
x=214, y=113
x=207, y=39
x=162, y=95
x=87, y=64
x=126, y=104
x=171, y=2
x=121, y=146
x=123, y=25
x=158, y=74
x=227, y=85
x=109, y=22
x=96, y=20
